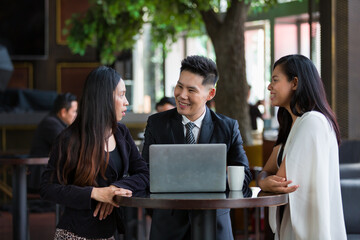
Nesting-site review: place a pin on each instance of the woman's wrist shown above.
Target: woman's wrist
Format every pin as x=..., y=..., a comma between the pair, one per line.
x=262, y=175
x=93, y=193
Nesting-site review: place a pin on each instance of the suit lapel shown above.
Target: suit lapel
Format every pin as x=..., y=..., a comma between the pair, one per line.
x=207, y=128
x=177, y=129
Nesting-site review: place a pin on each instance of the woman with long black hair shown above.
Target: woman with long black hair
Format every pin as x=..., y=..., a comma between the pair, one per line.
x=305, y=159
x=93, y=160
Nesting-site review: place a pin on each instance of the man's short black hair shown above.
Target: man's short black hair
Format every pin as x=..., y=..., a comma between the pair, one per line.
x=63, y=101
x=165, y=100
x=202, y=66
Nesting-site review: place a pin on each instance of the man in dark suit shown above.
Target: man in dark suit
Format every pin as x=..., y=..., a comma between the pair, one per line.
x=63, y=114
x=196, y=86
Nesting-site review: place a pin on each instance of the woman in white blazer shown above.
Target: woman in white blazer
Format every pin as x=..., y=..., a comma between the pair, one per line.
x=305, y=159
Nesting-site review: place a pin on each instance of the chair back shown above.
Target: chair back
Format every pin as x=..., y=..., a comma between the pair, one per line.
x=350, y=191
x=349, y=151
x=255, y=155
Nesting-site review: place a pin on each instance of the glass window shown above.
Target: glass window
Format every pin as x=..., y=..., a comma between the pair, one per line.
x=292, y=36
x=257, y=55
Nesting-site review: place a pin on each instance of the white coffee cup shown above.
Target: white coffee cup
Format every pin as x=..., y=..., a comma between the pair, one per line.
x=236, y=194
x=236, y=175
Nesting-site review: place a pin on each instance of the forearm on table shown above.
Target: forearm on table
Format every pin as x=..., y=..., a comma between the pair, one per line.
x=261, y=176
x=137, y=182
x=281, y=172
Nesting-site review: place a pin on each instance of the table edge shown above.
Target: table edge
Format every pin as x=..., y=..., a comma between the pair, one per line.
x=263, y=201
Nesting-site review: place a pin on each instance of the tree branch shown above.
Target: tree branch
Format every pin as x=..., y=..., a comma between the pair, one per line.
x=212, y=21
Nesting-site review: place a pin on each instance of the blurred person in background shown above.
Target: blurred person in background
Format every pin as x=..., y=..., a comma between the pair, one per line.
x=62, y=115
x=166, y=103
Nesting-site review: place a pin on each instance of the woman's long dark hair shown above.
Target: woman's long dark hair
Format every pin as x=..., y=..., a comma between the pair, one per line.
x=309, y=95
x=85, y=155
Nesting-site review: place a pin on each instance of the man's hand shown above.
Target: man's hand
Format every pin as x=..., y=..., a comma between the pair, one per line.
x=276, y=184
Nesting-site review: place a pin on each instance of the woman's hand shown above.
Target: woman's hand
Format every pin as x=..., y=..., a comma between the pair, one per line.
x=276, y=184
x=105, y=194
x=123, y=192
x=106, y=199
x=103, y=209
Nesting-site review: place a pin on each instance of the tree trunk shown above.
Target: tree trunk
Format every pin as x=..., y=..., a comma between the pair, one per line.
x=227, y=36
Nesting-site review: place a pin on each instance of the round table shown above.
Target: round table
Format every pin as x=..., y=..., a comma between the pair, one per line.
x=203, y=205
x=19, y=201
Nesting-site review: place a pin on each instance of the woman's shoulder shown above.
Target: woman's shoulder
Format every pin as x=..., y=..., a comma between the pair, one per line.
x=121, y=125
x=122, y=128
x=313, y=117
x=314, y=122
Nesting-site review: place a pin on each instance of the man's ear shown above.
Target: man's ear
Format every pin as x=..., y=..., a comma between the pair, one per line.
x=294, y=83
x=211, y=95
x=62, y=113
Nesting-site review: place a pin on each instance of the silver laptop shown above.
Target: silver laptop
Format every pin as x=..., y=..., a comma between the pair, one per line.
x=187, y=168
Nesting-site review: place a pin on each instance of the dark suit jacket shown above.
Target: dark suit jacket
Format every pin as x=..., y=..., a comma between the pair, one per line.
x=46, y=132
x=79, y=206
x=166, y=128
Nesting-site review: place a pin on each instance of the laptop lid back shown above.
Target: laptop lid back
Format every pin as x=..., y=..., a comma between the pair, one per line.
x=187, y=168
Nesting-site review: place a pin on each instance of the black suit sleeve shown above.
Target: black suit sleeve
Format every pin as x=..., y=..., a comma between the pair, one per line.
x=69, y=195
x=45, y=135
x=236, y=155
x=149, y=139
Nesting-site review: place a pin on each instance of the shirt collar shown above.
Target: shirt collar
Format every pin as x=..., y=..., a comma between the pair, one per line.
x=197, y=122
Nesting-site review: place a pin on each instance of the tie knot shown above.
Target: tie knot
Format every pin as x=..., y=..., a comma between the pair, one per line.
x=189, y=126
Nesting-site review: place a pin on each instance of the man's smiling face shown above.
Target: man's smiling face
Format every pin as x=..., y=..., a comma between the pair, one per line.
x=191, y=95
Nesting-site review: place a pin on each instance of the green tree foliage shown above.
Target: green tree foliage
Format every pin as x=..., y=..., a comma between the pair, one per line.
x=113, y=25
x=110, y=26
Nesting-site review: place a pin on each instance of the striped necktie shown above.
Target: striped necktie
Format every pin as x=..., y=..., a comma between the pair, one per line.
x=190, y=139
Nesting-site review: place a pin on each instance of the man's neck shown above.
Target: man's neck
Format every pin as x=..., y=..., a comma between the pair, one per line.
x=199, y=119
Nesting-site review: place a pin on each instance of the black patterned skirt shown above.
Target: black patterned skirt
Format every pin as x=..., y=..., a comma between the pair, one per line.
x=61, y=234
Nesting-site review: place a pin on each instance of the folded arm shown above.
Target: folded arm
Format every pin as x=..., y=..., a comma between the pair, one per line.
x=272, y=178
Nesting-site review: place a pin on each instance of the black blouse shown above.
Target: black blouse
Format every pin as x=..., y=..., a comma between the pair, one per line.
x=116, y=158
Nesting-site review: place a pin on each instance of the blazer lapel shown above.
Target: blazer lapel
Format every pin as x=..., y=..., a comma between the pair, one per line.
x=122, y=145
x=177, y=129
x=207, y=128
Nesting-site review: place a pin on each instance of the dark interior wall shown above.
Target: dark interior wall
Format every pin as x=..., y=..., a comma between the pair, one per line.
x=354, y=72
x=45, y=70
x=340, y=61
x=326, y=51
x=342, y=66
x=17, y=137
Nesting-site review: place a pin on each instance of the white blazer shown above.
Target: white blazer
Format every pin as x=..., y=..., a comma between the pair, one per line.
x=312, y=162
